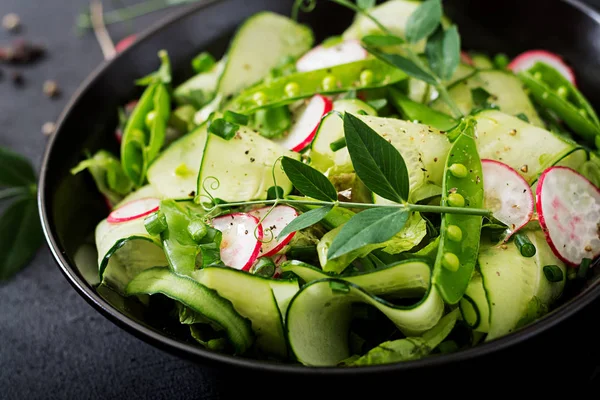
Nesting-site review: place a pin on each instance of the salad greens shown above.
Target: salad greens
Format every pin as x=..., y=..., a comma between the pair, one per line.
x=365, y=200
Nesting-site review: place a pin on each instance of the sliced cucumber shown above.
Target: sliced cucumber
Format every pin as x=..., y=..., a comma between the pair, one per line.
x=258, y=47
x=143, y=192
x=205, y=82
x=332, y=129
x=514, y=283
x=405, y=279
x=524, y=147
x=474, y=305
x=319, y=317
x=241, y=169
x=174, y=174
x=254, y=298
x=198, y=298
x=506, y=89
x=124, y=250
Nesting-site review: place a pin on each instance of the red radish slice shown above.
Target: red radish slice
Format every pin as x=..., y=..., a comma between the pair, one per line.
x=307, y=120
x=278, y=219
x=466, y=58
x=133, y=210
x=324, y=57
x=239, y=247
x=125, y=43
x=280, y=259
x=507, y=195
x=528, y=59
x=568, y=206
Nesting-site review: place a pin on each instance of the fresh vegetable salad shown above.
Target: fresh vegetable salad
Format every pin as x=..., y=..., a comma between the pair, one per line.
x=376, y=197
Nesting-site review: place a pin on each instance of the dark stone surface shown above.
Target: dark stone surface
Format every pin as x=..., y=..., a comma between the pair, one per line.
x=53, y=344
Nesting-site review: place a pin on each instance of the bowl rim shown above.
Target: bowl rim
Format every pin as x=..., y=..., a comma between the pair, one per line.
x=197, y=353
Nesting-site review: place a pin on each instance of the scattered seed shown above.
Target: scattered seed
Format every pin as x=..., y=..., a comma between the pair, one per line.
x=48, y=128
x=11, y=22
x=524, y=168
x=21, y=52
x=588, y=248
x=504, y=247
x=51, y=88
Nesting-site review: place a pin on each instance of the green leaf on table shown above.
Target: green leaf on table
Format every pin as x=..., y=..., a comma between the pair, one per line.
x=375, y=225
x=365, y=4
x=376, y=162
x=382, y=40
x=424, y=20
x=404, y=64
x=305, y=220
x=308, y=180
x=443, y=52
x=15, y=170
x=20, y=235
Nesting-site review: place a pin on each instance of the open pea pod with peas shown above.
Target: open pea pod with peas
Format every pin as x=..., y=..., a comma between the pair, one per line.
x=145, y=131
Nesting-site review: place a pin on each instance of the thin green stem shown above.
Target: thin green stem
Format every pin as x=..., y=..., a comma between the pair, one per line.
x=359, y=10
x=445, y=96
x=410, y=207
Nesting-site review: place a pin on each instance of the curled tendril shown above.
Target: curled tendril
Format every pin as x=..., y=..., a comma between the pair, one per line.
x=209, y=183
x=304, y=6
x=272, y=236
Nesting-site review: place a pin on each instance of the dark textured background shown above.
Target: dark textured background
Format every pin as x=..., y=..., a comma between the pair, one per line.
x=52, y=343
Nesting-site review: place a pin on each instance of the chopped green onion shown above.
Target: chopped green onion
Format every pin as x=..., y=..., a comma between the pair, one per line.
x=338, y=144
x=155, y=223
x=222, y=128
x=501, y=61
x=362, y=112
x=584, y=268
x=339, y=287
x=553, y=273
x=264, y=267
x=197, y=230
x=524, y=245
x=203, y=62
x=235, y=118
x=302, y=252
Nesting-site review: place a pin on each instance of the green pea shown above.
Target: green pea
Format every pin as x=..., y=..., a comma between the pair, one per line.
x=259, y=98
x=456, y=200
x=454, y=233
x=292, y=89
x=537, y=76
x=450, y=261
x=458, y=170
x=329, y=83
x=366, y=77
x=150, y=118
x=562, y=91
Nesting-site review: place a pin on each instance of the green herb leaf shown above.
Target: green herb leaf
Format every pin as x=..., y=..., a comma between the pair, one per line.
x=15, y=170
x=203, y=62
x=404, y=64
x=376, y=162
x=375, y=225
x=443, y=52
x=365, y=4
x=382, y=40
x=305, y=220
x=235, y=118
x=308, y=180
x=424, y=20
x=20, y=236
x=223, y=128
x=275, y=192
x=522, y=117
x=480, y=97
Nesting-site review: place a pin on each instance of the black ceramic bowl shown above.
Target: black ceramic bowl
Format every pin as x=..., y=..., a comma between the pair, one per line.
x=70, y=206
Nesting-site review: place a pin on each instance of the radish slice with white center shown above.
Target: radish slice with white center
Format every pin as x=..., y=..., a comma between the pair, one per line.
x=528, y=59
x=133, y=210
x=278, y=219
x=306, y=122
x=507, y=195
x=239, y=247
x=568, y=206
x=329, y=56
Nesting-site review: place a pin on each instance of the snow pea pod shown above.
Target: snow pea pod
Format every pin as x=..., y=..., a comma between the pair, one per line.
x=414, y=111
x=145, y=132
x=364, y=74
x=553, y=91
x=459, y=234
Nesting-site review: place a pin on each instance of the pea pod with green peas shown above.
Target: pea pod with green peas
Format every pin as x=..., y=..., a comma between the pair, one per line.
x=364, y=74
x=459, y=234
x=145, y=132
x=552, y=90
